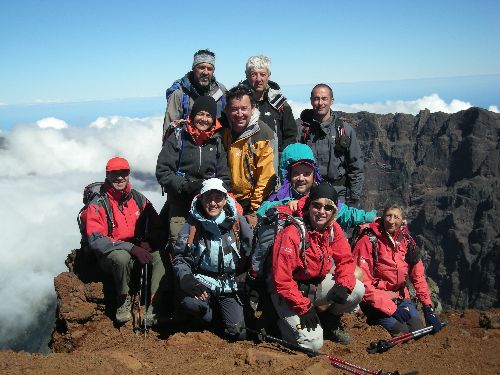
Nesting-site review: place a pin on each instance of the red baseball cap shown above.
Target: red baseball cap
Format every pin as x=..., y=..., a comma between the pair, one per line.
x=117, y=164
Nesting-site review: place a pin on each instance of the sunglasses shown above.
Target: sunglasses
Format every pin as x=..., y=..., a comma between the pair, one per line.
x=318, y=206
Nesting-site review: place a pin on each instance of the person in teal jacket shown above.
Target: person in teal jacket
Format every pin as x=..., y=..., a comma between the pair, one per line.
x=298, y=172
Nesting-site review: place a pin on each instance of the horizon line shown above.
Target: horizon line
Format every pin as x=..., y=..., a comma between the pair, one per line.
x=41, y=102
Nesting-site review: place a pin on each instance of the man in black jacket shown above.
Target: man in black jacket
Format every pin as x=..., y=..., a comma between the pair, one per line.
x=335, y=146
x=274, y=110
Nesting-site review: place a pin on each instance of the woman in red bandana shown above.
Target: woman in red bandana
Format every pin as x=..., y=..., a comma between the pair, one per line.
x=192, y=152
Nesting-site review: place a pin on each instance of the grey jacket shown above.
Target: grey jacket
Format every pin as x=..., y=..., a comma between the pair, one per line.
x=184, y=87
x=339, y=157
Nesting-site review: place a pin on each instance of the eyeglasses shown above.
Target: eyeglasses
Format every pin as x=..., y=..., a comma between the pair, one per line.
x=318, y=206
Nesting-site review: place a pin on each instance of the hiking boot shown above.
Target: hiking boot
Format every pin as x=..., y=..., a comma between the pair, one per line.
x=124, y=310
x=151, y=316
x=339, y=336
x=334, y=329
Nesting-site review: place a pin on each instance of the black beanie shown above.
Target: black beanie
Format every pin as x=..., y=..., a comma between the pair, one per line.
x=323, y=190
x=204, y=103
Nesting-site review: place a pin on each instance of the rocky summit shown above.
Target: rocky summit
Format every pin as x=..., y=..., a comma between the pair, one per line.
x=443, y=167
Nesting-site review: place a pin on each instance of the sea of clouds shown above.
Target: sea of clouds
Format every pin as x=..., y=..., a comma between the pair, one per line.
x=45, y=166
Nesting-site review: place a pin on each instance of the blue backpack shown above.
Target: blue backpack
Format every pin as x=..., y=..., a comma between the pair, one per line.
x=185, y=98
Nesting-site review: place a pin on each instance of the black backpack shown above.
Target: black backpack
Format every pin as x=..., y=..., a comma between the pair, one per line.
x=95, y=191
x=265, y=233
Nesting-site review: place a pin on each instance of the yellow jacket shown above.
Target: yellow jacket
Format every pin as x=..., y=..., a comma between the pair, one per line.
x=250, y=160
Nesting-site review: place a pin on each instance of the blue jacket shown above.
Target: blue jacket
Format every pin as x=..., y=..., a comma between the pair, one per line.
x=215, y=256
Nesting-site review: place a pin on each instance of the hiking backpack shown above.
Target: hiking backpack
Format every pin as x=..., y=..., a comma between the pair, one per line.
x=265, y=233
x=95, y=191
x=412, y=256
x=218, y=95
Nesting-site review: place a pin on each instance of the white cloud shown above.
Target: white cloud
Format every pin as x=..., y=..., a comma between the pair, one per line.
x=51, y=122
x=49, y=101
x=42, y=177
x=432, y=102
x=493, y=108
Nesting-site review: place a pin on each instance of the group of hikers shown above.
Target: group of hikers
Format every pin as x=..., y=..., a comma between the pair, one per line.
x=252, y=231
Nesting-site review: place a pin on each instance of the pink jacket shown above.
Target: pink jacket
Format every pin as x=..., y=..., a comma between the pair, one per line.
x=387, y=280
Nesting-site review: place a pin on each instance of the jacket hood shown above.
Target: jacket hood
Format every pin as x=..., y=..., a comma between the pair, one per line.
x=307, y=116
x=292, y=154
x=224, y=221
x=273, y=85
x=378, y=229
x=187, y=85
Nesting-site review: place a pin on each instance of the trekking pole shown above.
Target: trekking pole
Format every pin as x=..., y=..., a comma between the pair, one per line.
x=145, y=328
x=382, y=346
x=336, y=362
x=139, y=320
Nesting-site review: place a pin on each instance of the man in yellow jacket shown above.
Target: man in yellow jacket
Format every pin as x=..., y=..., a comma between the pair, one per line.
x=250, y=149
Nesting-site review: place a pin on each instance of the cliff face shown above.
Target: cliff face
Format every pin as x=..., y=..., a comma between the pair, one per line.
x=445, y=170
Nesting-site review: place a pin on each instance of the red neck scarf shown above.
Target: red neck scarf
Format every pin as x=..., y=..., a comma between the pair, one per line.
x=201, y=136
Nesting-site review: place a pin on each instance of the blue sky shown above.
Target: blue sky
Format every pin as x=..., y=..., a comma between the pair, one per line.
x=59, y=51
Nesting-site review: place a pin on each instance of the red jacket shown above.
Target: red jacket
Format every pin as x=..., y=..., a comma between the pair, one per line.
x=326, y=248
x=388, y=279
x=125, y=217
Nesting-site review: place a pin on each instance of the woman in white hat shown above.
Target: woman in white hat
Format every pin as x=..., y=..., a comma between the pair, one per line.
x=209, y=254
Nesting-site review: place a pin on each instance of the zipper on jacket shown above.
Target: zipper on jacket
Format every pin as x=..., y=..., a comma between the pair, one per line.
x=199, y=165
x=246, y=163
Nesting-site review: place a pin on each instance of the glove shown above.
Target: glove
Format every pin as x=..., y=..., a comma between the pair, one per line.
x=145, y=245
x=191, y=286
x=142, y=255
x=192, y=187
x=402, y=314
x=338, y=294
x=309, y=320
x=432, y=319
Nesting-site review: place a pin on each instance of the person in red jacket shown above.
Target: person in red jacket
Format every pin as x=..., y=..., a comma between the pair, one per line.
x=128, y=241
x=388, y=256
x=303, y=281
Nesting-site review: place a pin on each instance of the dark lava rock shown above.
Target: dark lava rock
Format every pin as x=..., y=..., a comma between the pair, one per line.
x=445, y=169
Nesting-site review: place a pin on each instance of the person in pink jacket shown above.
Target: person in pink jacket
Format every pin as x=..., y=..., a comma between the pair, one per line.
x=319, y=278
x=388, y=256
